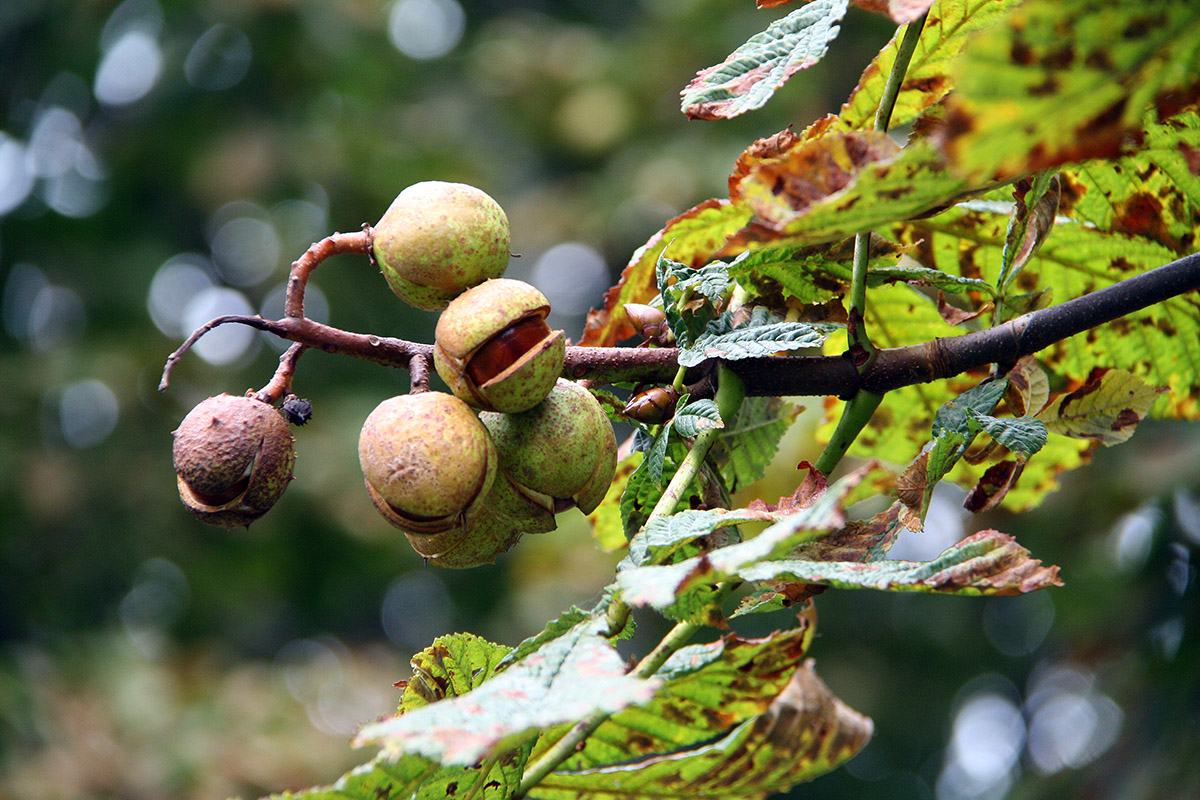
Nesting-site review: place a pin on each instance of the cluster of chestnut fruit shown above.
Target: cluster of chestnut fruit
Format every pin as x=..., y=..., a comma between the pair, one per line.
x=463, y=475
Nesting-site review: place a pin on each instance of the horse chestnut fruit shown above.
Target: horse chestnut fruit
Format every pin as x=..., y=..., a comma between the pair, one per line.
x=437, y=240
x=563, y=447
x=494, y=349
x=427, y=461
x=233, y=459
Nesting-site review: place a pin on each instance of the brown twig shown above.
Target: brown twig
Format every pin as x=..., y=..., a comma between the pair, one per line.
x=281, y=382
x=302, y=267
x=418, y=375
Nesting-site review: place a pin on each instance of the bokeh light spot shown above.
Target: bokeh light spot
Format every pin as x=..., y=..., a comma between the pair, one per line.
x=219, y=59
x=416, y=610
x=16, y=180
x=225, y=344
x=573, y=276
x=245, y=250
x=177, y=281
x=425, y=29
x=87, y=413
x=129, y=69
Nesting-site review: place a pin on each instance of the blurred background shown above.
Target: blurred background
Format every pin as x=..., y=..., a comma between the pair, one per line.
x=163, y=163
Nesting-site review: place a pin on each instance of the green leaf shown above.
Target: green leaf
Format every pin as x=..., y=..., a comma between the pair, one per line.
x=744, y=449
x=566, y=623
x=420, y=779
x=880, y=187
x=567, y=679
x=984, y=563
x=1066, y=80
x=708, y=689
x=937, y=458
x=1035, y=207
x=1154, y=192
x=923, y=276
x=695, y=237
x=750, y=75
x=450, y=667
x=752, y=342
x=805, y=733
x=1022, y=435
x=695, y=417
x=816, y=516
x=927, y=80
x=1106, y=408
x=1161, y=344
x=953, y=416
x=858, y=540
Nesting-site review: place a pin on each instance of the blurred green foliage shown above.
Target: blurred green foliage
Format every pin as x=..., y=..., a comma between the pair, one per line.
x=143, y=655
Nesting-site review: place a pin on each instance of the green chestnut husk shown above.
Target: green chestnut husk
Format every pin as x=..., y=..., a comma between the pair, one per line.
x=427, y=461
x=233, y=459
x=494, y=349
x=563, y=448
x=437, y=240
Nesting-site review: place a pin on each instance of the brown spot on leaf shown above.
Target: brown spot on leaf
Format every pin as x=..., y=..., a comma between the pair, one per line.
x=1126, y=418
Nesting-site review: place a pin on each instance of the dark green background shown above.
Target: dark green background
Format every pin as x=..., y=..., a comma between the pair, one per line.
x=143, y=655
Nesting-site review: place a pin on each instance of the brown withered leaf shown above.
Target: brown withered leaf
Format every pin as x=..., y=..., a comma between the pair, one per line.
x=993, y=486
x=812, y=487
x=779, y=182
x=955, y=315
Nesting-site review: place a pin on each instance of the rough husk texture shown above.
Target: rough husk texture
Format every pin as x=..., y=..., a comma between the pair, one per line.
x=438, y=239
x=427, y=456
x=233, y=457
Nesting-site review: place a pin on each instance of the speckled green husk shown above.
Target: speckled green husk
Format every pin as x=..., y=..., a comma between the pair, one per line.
x=427, y=457
x=226, y=442
x=563, y=447
x=471, y=321
x=438, y=239
x=486, y=536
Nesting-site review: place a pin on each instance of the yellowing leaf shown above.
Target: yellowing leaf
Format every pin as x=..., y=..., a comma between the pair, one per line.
x=927, y=80
x=1106, y=408
x=1066, y=80
x=805, y=733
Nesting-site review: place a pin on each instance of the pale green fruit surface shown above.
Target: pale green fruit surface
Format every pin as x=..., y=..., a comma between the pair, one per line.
x=438, y=239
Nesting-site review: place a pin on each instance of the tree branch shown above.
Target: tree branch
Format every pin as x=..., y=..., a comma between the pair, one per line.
x=789, y=375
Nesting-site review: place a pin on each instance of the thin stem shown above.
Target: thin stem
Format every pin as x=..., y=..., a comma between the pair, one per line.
x=281, y=382
x=730, y=392
x=332, y=245
x=855, y=417
x=891, y=89
x=858, y=410
x=484, y=769
x=568, y=745
x=418, y=374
